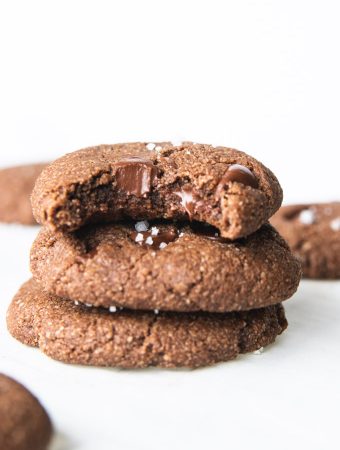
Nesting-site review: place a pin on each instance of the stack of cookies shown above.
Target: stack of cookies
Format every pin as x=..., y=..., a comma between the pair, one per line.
x=155, y=255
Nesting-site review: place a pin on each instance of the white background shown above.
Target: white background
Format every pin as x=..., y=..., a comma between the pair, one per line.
x=261, y=76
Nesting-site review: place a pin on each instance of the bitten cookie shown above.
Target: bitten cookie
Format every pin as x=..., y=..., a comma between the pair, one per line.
x=165, y=266
x=128, y=339
x=16, y=185
x=220, y=186
x=24, y=424
x=313, y=233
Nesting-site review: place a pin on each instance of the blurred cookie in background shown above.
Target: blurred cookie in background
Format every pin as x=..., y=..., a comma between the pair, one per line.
x=313, y=234
x=24, y=423
x=16, y=185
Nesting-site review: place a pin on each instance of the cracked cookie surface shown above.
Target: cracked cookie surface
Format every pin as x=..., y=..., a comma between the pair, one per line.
x=24, y=423
x=220, y=186
x=137, y=339
x=166, y=267
x=313, y=234
x=16, y=185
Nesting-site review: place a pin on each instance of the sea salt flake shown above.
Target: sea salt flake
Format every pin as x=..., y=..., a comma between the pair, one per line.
x=142, y=226
x=113, y=309
x=158, y=148
x=335, y=224
x=181, y=234
x=139, y=237
x=151, y=146
x=76, y=302
x=89, y=305
x=176, y=143
x=307, y=217
x=162, y=245
x=149, y=240
x=156, y=311
x=154, y=231
x=259, y=351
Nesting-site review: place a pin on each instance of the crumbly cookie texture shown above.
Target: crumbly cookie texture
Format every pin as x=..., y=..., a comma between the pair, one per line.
x=136, y=339
x=220, y=186
x=165, y=266
x=16, y=185
x=313, y=234
x=24, y=423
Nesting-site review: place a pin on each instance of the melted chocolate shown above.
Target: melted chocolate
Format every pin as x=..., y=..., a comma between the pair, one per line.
x=154, y=241
x=239, y=174
x=135, y=175
x=187, y=200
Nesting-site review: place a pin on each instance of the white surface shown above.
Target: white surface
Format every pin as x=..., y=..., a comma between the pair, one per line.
x=261, y=76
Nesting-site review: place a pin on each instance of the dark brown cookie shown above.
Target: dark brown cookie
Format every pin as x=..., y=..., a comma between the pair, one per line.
x=313, y=233
x=16, y=185
x=221, y=186
x=168, y=267
x=24, y=424
x=128, y=339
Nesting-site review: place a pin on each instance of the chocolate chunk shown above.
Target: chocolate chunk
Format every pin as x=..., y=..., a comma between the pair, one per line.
x=239, y=174
x=155, y=239
x=135, y=175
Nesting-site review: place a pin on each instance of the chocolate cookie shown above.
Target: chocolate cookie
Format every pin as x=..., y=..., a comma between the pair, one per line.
x=94, y=336
x=24, y=424
x=220, y=186
x=313, y=233
x=16, y=185
x=165, y=266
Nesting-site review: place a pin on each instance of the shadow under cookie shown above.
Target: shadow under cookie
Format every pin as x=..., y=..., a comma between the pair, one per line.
x=137, y=339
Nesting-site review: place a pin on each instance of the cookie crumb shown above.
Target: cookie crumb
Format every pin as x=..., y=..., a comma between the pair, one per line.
x=259, y=351
x=143, y=225
x=335, y=224
x=162, y=245
x=307, y=217
x=113, y=309
x=151, y=146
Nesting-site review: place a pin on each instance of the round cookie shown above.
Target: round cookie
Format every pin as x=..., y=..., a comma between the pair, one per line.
x=16, y=185
x=167, y=267
x=313, y=233
x=24, y=423
x=136, y=339
x=220, y=186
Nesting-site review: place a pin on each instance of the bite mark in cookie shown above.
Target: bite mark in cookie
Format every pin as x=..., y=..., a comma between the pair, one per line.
x=221, y=186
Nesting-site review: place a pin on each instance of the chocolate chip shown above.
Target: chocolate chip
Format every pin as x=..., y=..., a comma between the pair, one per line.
x=135, y=175
x=239, y=174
